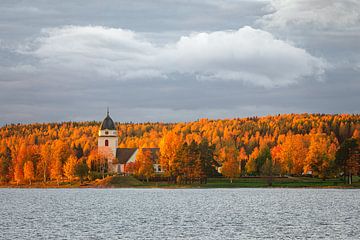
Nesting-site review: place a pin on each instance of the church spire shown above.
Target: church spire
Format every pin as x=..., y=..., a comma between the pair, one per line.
x=107, y=111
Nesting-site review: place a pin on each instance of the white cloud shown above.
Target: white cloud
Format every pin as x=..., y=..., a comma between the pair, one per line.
x=313, y=13
x=249, y=55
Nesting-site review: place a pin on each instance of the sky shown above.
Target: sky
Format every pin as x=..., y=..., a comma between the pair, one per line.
x=177, y=60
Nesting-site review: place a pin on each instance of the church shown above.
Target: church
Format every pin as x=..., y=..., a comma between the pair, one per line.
x=119, y=157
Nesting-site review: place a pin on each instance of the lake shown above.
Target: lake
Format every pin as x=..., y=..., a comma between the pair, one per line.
x=179, y=214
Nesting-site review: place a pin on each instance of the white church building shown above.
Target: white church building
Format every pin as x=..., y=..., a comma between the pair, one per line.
x=119, y=157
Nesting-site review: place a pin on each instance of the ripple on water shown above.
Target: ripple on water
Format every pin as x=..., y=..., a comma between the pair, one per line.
x=179, y=214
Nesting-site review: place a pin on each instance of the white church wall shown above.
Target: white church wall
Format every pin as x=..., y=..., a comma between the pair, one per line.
x=112, y=143
x=133, y=157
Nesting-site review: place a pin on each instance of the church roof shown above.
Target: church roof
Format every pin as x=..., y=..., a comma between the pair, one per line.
x=123, y=155
x=107, y=123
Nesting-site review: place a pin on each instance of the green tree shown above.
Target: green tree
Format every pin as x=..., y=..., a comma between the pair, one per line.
x=206, y=163
x=347, y=158
x=78, y=151
x=81, y=170
x=269, y=169
x=264, y=155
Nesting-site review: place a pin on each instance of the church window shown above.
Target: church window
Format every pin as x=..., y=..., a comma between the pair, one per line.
x=106, y=143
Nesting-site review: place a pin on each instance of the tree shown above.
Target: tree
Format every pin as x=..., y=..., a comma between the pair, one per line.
x=242, y=159
x=290, y=132
x=5, y=164
x=231, y=169
x=206, y=164
x=61, y=151
x=21, y=158
x=275, y=156
x=18, y=173
x=321, y=156
x=29, y=174
x=45, y=160
x=264, y=155
x=56, y=170
x=251, y=166
x=81, y=170
x=231, y=165
x=132, y=168
x=97, y=161
x=70, y=167
x=348, y=158
x=78, y=151
x=188, y=163
x=292, y=154
x=169, y=146
x=269, y=169
x=60, y=154
x=145, y=164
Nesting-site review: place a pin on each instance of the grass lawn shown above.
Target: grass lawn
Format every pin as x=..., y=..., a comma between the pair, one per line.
x=244, y=182
x=291, y=182
x=256, y=182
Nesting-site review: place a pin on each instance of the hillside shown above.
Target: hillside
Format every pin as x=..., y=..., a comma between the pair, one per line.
x=47, y=147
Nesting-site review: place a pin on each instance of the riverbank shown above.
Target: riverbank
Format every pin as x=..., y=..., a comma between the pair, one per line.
x=246, y=182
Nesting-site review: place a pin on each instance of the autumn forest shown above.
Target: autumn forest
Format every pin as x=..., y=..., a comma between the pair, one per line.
x=320, y=145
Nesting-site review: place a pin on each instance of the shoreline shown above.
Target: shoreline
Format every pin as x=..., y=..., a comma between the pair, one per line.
x=246, y=182
x=174, y=187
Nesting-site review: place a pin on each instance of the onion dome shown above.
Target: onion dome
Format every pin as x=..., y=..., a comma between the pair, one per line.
x=107, y=123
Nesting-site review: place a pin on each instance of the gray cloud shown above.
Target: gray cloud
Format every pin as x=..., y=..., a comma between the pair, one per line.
x=176, y=63
x=328, y=29
x=221, y=55
x=328, y=14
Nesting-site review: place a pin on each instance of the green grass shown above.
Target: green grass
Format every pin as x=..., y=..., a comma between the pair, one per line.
x=245, y=182
x=291, y=182
x=257, y=182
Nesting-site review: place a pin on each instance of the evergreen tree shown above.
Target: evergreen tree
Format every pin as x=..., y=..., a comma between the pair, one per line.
x=348, y=158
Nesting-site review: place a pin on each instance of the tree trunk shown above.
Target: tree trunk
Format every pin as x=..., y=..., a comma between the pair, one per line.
x=45, y=174
x=350, y=178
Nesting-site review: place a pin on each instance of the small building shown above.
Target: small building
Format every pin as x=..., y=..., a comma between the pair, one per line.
x=118, y=158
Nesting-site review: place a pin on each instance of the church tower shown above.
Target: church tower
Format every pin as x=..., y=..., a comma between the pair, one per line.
x=108, y=136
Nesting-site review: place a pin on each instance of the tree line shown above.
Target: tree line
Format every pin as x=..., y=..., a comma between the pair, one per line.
x=323, y=145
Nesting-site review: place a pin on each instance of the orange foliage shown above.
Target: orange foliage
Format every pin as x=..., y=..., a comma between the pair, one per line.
x=48, y=146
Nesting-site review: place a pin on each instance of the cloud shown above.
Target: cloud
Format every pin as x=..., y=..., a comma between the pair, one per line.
x=318, y=14
x=249, y=55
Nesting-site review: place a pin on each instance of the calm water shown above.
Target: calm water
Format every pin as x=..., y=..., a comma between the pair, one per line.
x=179, y=214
